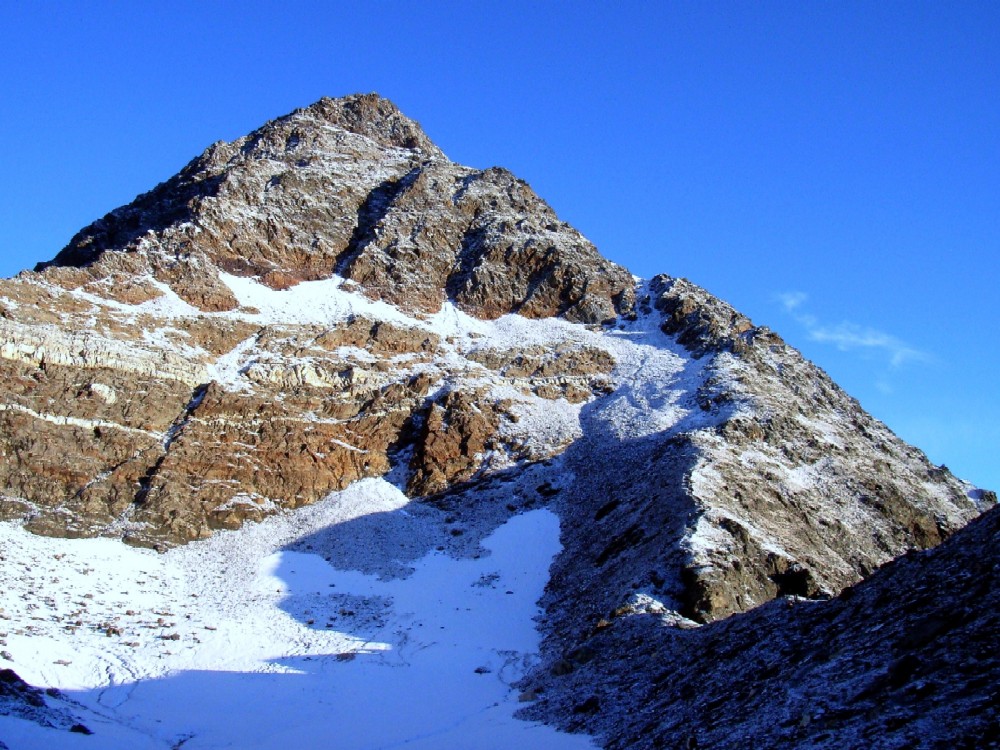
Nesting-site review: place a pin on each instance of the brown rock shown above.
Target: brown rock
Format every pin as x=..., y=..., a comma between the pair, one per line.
x=395, y=216
x=456, y=433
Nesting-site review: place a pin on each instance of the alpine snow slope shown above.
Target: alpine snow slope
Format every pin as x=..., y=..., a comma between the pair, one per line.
x=328, y=440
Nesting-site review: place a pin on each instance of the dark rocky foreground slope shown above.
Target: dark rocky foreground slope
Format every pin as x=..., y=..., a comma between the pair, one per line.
x=905, y=659
x=324, y=301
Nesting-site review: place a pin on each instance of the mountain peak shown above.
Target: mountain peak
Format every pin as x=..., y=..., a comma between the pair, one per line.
x=375, y=117
x=352, y=187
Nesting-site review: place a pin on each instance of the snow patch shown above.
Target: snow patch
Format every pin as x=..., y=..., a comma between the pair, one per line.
x=321, y=302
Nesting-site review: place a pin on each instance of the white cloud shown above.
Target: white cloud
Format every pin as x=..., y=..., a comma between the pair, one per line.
x=791, y=301
x=849, y=336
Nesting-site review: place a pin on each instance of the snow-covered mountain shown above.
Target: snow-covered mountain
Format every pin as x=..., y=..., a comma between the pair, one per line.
x=330, y=440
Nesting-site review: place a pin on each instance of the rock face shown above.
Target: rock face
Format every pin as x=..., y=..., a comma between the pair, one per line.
x=221, y=413
x=351, y=186
x=903, y=659
x=330, y=299
x=787, y=468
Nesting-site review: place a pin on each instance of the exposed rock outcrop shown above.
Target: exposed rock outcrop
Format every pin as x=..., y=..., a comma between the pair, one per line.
x=255, y=413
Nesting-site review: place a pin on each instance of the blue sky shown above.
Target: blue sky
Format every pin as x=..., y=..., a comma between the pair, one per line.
x=831, y=169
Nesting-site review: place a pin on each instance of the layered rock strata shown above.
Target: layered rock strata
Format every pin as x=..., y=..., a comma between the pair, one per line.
x=330, y=299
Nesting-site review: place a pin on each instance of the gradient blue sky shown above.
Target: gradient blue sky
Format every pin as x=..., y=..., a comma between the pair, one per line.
x=831, y=169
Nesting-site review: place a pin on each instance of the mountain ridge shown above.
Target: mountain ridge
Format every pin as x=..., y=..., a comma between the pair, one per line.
x=329, y=300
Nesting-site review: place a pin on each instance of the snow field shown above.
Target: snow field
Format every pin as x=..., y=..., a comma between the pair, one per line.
x=302, y=652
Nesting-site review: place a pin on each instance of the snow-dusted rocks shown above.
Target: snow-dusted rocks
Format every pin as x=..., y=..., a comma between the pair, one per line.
x=222, y=417
x=352, y=186
x=329, y=305
x=904, y=659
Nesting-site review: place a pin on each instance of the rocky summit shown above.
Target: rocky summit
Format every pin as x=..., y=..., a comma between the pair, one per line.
x=329, y=311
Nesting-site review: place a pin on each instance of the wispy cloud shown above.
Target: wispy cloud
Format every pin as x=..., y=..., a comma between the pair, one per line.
x=849, y=336
x=791, y=301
